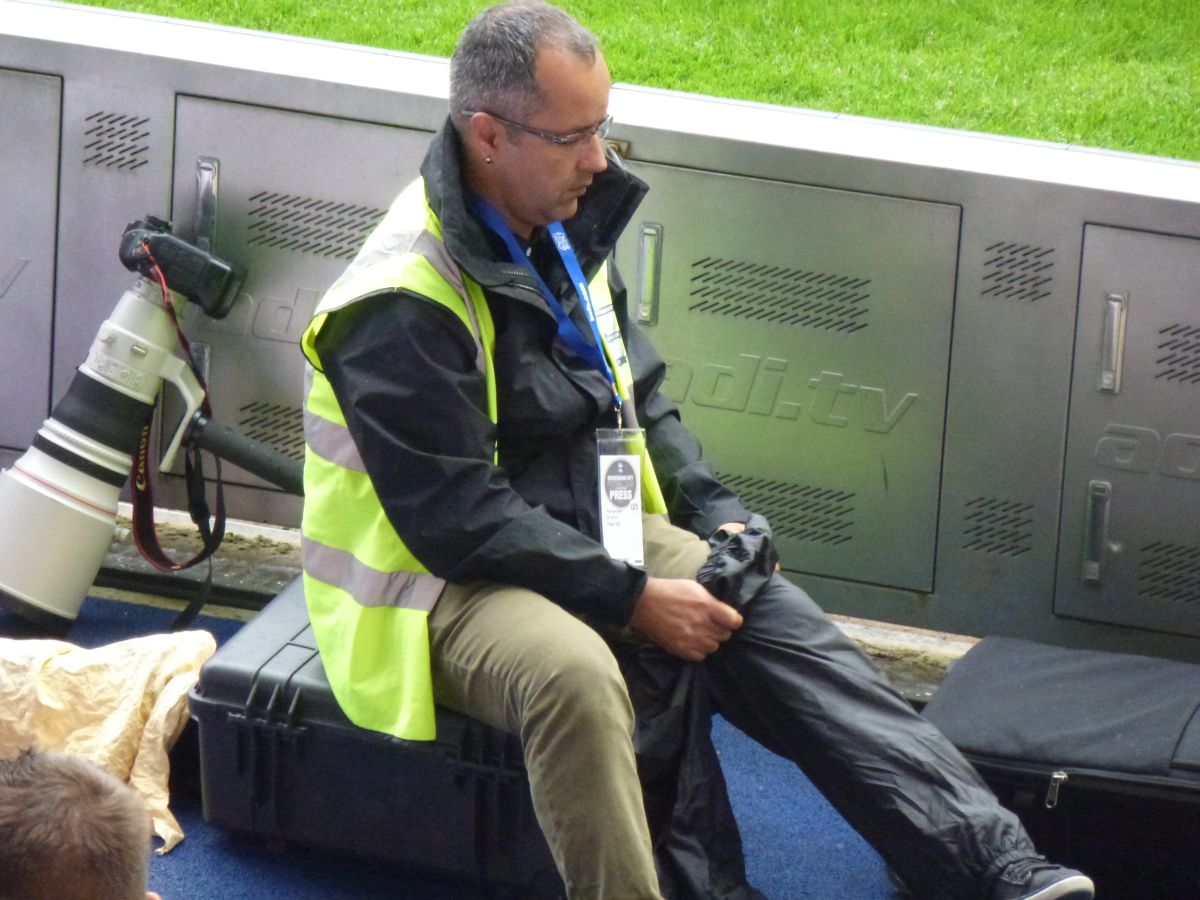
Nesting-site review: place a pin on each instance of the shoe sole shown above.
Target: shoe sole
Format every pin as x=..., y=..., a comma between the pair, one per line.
x=1077, y=887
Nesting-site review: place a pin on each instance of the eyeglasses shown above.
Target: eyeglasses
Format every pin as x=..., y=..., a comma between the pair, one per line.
x=562, y=140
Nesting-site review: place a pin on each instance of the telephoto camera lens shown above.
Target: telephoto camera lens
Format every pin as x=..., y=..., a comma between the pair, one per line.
x=58, y=501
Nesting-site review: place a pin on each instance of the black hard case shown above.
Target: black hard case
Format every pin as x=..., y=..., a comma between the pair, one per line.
x=279, y=760
x=1098, y=753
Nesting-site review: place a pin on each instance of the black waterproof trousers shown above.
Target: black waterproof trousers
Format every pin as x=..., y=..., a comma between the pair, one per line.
x=791, y=680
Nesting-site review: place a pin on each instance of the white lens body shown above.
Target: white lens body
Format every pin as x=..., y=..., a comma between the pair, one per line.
x=56, y=525
x=135, y=345
x=56, y=519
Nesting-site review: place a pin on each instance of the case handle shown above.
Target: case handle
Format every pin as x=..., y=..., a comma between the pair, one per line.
x=649, y=265
x=1095, y=539
x=1116, y=308
x=204, y=223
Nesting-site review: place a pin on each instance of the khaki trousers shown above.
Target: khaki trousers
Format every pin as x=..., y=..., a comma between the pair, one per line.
x=518, y=661
x=788, y=678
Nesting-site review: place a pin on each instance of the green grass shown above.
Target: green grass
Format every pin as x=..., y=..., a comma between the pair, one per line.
x=1118, y=74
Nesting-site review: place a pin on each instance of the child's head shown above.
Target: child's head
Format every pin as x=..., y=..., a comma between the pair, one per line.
x=70, y=831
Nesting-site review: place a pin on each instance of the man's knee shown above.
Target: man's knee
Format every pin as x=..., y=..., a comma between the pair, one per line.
x=578, y=680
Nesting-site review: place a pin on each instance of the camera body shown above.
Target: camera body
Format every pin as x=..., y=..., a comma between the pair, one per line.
x=209, y=282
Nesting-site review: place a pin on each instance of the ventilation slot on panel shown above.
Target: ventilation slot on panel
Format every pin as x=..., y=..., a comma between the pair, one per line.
x=282, y=427
x=814, y=514
x=1169, y=572
x=1017, y=271
x=779, y=296
x=998, y=526
x=306, y=225
x=1182, y=360
x=115, y=141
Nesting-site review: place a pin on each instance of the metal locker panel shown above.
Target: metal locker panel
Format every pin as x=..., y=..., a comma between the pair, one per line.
x=1130, y=548
x=116, y=167
x=30, y=106
x=807, y=332
x=290, y=197
x=1006, y=422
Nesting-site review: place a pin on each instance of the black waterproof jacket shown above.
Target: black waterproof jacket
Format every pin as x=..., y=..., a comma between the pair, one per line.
x=403, y=370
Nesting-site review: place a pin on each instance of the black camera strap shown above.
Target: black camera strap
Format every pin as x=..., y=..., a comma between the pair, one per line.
x=145, y=534
x=212, y=532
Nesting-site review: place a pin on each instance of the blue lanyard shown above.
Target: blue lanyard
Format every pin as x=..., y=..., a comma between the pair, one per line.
x=593, y=354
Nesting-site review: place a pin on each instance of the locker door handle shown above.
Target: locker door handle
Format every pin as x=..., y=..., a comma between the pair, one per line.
x=1095, y=538
x=204, y=222
x=1116, y=308
x=649, y=266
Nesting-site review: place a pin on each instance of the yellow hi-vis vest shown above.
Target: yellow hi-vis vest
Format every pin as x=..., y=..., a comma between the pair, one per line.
x=368, y=597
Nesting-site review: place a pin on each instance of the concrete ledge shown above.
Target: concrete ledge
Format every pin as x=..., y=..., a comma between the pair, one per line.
x=254, y=561
x=915, y=659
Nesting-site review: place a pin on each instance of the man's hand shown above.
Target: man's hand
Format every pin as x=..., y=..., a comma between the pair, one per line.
x=683, y=618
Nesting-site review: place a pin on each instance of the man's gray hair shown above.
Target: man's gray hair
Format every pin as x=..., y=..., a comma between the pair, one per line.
x=494, y=66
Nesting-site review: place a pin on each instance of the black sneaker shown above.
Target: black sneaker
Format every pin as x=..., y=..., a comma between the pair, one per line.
x=1036, y=879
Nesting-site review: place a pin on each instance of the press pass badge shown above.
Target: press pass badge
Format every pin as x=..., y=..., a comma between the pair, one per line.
x=620, y=478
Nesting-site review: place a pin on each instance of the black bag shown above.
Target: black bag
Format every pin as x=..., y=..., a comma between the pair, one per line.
x=1098, y=753
x=279, y=760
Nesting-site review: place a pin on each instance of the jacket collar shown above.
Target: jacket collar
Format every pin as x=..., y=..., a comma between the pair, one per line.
x=603, y=213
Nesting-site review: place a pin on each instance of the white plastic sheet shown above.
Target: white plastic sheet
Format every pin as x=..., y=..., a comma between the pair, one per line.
x=121, y=706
